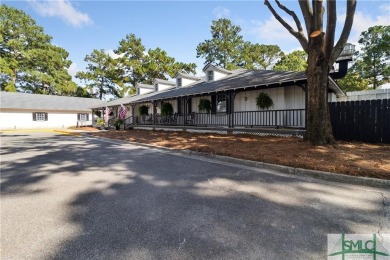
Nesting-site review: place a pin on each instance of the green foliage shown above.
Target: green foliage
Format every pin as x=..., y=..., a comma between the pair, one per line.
x=100, y=121
x=143, y=110
x=118, y=122
x=264, y=101
x=228, y=50
x=373, y=58
x=223, y=49
x=294, y=61
x=29, y=61
x=102, y=74
x=204, y=105
x=140, y=66
x=259, y=56
x=352, y=82
x=166, y=109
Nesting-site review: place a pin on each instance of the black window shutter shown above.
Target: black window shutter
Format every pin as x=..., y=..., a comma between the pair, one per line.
x=46, y=117
x=34, y=116
x=87, y=117
x=213, y=104
x=78, y=117
x=189, y=106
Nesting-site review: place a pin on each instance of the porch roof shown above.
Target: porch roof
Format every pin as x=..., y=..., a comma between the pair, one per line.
x=242, y=79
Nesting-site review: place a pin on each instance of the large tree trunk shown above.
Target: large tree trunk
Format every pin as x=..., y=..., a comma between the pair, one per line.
x=319, y=129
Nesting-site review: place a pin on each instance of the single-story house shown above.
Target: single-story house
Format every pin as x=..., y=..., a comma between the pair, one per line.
x=27, y=111
x=232, y=97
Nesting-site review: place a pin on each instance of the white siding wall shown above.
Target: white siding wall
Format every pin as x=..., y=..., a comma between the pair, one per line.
x=365, y=95
x=23, y=119
x=283, y=98
x=195, y=103
x=186, y=82
x=295, y=98
x=164, y=87
x=249, y=103
x=144, y=91
x=218, y=75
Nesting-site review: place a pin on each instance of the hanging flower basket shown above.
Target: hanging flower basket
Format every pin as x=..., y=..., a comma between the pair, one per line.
x=204, y=105
x=264, y=101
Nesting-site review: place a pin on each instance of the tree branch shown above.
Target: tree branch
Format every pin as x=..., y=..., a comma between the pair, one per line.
x=351, y=7
x=317, y=15
x=330, y=28
x=292, y=14
x=307, y=13
x=299, y=35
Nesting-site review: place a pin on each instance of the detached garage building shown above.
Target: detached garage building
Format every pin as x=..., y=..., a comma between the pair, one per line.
x=23, y=111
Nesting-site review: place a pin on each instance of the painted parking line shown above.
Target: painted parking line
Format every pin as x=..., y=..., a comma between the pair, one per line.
x=40, y=131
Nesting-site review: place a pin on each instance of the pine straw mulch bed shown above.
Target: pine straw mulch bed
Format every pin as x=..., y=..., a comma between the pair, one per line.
x=358, y=159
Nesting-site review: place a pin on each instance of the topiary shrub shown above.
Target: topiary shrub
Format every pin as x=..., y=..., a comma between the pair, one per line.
x=144, y=110
x=264, y=101
x=166, y=109
x=204, y=105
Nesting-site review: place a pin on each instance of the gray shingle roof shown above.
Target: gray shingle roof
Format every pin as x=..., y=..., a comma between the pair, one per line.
x=240, y=80
x=163, y=81
x=45, y=102
x=140, y=85
x=216, y=68
x=187, y=76
x=125, y=100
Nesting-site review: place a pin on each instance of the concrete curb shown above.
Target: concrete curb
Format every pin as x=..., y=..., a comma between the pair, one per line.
x=328, y=176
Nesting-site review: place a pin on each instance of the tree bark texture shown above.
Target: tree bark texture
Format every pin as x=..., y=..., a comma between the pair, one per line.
x=318, y=126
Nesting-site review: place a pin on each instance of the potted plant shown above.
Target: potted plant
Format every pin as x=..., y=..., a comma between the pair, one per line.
x=100, y=122
x=264, y=101
x=204, y=105
x=166, y=109
x=144, y=110
x=117, y=123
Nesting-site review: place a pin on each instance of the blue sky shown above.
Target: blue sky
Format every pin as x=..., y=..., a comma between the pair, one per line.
x=175, y=26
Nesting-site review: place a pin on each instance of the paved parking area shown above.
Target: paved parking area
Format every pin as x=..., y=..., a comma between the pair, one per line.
x=72, y=197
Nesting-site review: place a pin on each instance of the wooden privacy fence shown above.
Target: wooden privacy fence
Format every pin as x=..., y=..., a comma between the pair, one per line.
x=363, y=120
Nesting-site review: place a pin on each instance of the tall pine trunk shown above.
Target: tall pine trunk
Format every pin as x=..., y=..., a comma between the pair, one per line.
x=319, y=128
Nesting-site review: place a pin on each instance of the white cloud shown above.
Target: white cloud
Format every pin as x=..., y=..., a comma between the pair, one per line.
x=221, y=12
x=113, y=55
x=362, y=22
x=72, y=70
x=271, y=31
x=63, y=9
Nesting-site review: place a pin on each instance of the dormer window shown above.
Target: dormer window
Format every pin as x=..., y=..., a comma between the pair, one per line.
x=178, y=82
x=155, y=87
x=210, y=75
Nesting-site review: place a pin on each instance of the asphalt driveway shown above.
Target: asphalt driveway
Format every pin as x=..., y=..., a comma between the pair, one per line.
x=71, y=197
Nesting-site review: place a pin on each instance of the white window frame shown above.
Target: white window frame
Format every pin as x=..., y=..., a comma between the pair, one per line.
x=40, y=116
x=221, y=103
x=83, y=117
x=178, y=80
